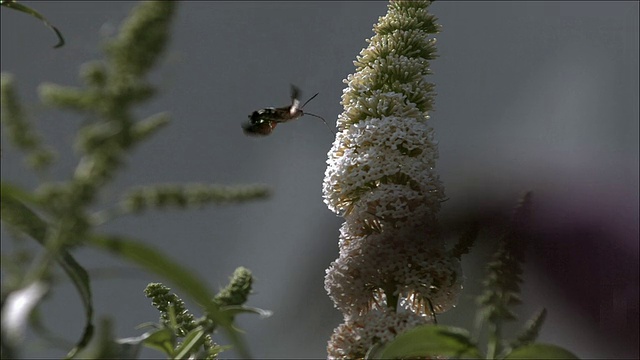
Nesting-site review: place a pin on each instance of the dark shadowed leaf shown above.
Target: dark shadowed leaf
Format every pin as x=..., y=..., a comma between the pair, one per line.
x=430, y=340
x=540, y=351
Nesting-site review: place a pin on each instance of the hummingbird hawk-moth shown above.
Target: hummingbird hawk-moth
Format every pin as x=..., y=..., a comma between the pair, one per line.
x=262, y=122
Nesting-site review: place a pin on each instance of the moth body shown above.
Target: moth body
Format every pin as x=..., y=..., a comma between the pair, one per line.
x=263, y=121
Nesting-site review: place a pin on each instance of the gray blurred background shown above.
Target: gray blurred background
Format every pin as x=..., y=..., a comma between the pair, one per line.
x=539, y=96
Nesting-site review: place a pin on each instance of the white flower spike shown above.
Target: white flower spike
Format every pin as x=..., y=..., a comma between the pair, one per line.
x=393, y=271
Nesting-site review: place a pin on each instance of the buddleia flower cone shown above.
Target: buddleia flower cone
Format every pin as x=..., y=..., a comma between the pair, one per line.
x=381, y=179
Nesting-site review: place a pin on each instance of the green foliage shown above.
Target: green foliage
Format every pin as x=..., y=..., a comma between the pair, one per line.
x=501, y=293
x=105, y=346
x=175, y=316
x=65, y=215
x=541, y=351
x=428, y=340
x=466, y=240
x=162, y=196
x=196, y=334
x=13, y=4
x=20, y=218
x=172, y=309
x=502, y=284
x=237, y=292
x=530, y=331
x=141, y=40
x=20, y=132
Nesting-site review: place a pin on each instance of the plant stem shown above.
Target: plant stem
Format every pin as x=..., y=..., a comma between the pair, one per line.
x=495, y=333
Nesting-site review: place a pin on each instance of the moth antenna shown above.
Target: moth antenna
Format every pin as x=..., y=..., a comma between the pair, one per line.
x=433, y=313
x=306, y=102
x=320, y=117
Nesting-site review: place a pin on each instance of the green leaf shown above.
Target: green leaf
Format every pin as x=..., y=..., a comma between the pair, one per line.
x=18, y=215
x=159, y=339
x=162, y=339
x=239, y=309
x=158, y=263
x=192, y=342
x=12, y=4
x=15, y=213
x=80, y=279
x=530, y=331
x=540, y=351
x=430, y=340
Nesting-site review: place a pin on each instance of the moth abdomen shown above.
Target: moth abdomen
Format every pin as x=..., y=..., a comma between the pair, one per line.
x=258, y=127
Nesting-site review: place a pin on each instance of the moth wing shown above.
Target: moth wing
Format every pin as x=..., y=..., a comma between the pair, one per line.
x=295, y=106
x=295, y=103
x=295, y=93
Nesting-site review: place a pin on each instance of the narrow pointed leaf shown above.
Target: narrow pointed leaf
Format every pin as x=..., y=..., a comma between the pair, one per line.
x=531, y=330
x=193, y=341
x=29, y=11
x=235, y=310
x=16, y=214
